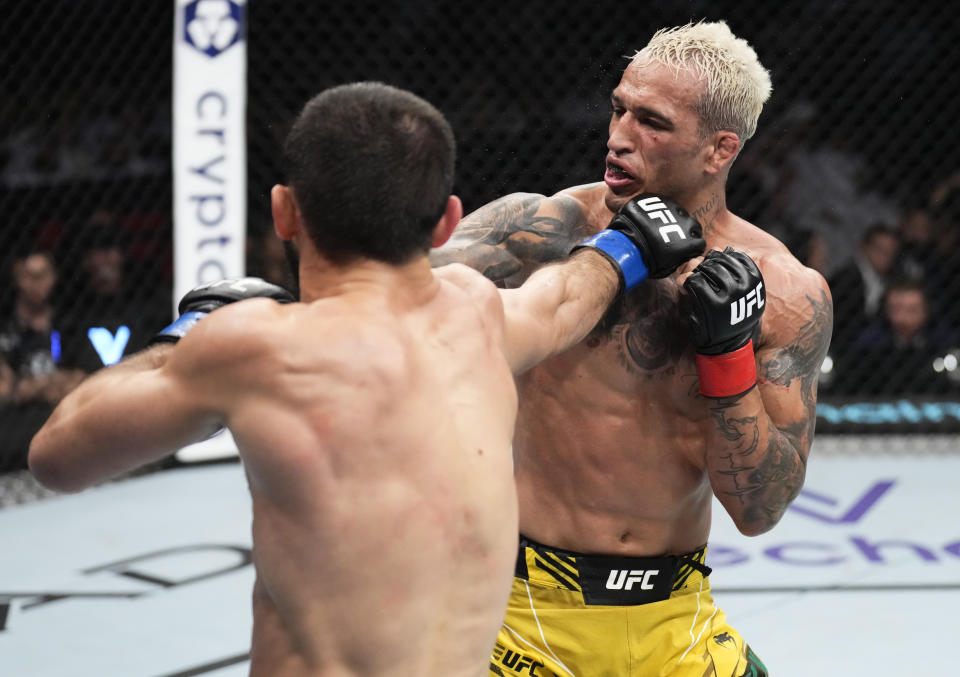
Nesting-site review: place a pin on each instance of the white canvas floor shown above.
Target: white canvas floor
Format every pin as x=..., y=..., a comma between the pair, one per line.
x=151, y=576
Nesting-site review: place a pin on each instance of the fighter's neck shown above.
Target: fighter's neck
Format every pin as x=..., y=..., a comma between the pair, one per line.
x=411, y=282
x=709, y=207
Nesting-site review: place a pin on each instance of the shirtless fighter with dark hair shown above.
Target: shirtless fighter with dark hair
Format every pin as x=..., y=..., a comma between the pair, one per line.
x=375, y=417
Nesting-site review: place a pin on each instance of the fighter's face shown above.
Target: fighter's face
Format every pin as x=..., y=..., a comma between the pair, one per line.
x=654, y=140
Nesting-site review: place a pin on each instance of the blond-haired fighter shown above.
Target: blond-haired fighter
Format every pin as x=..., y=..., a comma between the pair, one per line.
x=681, y=395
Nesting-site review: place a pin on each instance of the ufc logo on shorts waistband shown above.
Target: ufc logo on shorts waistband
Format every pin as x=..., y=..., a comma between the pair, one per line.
x=743, y=307
x=623, y=579
x=655, y=209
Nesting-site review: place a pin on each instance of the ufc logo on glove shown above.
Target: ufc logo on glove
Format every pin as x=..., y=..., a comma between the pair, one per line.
x=743, y=307
x=655, y=209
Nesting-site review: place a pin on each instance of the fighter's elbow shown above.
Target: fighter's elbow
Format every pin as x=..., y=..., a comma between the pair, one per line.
x=758, y=524
x=754, y=528
x=49, y=467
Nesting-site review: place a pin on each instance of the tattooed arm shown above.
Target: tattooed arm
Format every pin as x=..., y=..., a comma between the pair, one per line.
x=508, y=238
x=759, y=441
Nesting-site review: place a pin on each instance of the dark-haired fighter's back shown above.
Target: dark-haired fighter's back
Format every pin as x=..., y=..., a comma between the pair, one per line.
x=374, y=418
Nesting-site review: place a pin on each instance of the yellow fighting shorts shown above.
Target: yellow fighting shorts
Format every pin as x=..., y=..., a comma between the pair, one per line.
x=573, y=615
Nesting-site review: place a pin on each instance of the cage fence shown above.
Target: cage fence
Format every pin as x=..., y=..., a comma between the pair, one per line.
x=853, y=165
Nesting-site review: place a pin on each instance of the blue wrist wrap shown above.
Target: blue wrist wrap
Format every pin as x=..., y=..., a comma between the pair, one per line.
x=623, y=252
x=180, y=326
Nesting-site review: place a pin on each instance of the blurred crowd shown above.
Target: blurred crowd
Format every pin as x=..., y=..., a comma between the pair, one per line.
x=95, y=288
x=77, y=302
x=890, y=256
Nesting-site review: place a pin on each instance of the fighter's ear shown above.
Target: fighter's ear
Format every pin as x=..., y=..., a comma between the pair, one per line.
x=448, y=222
x=286, y=212
x=721, y=150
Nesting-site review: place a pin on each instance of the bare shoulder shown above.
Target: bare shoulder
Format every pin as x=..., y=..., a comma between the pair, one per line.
x=786, y=278
x=242, y=333
x=798, y=319
x=586, y=194
x=461, y=275
x=481, y=291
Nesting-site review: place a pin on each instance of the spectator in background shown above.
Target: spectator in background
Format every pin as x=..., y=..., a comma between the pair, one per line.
x=109, y=316
x=917, y=245
x=814, y=180
x=930, y=246
x=943, y=266
x=32, y=380
x=859, y=285
x=895, y=353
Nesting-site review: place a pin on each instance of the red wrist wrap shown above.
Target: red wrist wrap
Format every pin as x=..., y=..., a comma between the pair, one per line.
x=728, y=374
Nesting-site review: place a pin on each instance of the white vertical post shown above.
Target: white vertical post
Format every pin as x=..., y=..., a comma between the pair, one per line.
x=209, y=141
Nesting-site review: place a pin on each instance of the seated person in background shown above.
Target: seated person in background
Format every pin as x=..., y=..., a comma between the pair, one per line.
x=858, y=286
x=941, y=270
x=32, y=379
x=895, y=354
x=109, y=315
x=375, y=418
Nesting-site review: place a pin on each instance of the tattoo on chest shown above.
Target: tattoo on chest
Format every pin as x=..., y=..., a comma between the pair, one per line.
x=650, y=335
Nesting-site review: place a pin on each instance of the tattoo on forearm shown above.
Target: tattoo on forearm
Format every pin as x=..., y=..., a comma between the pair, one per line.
x=735, y=429
x=779, y=477
x=743, y=433
x=764, y=480
x=764, y=484
x=801, y=360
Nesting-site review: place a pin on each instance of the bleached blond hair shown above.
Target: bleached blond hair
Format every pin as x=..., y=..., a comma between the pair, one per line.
x=736, y=85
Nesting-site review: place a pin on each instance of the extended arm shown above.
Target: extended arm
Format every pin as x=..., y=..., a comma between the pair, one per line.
x=760, y=439
x=556, y=307
x=119, y=418
x=154, y=402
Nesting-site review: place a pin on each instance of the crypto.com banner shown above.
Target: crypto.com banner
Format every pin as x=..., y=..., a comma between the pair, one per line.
x=209, y=136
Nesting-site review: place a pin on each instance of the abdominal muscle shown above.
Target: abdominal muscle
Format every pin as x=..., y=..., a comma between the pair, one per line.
x=611, y=462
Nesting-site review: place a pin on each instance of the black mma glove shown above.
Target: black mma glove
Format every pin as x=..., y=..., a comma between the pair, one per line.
x=198, y=302
x=648, y=237
x=724, y=303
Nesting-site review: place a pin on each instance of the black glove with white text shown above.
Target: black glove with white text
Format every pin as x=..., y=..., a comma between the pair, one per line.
x=649, y=237
x=724, y=304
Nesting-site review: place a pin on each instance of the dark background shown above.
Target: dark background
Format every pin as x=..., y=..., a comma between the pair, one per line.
x=860, y=130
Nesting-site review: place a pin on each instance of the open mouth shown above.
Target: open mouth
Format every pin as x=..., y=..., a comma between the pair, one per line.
x=616, y=176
